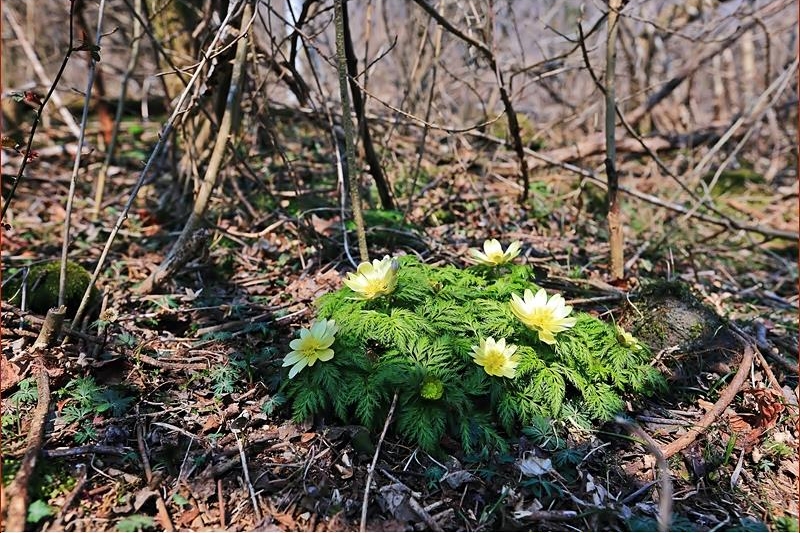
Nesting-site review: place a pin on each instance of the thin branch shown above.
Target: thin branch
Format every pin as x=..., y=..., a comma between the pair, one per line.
x=615, y=228
x=162, y=139
x=73, y=182
x=719, y=407
x=371, y=470
x=665, y=498
x=26, y=156
x=15, y=508
x=349, y=132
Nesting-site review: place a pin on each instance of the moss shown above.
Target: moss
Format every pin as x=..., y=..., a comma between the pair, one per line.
x=42, y=287
x=673, y=316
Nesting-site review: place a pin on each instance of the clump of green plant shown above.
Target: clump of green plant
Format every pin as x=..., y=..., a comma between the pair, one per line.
x=41, y=286
x=466, y=355
x=84, y=400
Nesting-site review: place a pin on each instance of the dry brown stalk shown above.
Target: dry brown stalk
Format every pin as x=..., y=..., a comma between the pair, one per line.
x=351, y=174
x=161, y=506
x=186, y=242
x=718, y=408
x=15, y=497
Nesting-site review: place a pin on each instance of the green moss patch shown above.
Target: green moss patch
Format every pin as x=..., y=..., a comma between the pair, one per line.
x=41, y=286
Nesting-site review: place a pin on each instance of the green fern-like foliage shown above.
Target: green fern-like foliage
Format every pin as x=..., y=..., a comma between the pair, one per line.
x=417, y=342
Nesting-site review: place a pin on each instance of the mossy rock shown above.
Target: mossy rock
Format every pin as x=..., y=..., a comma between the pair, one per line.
x=42, y=287
x=673, y=316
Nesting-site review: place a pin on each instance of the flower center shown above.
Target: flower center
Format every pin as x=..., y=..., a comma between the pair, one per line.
x=494, y=362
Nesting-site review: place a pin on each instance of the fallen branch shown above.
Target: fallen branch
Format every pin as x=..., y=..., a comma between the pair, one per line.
x=170, y=366
x=58, y=523
x=649, y=198
x=371, y=469
x=246, y=471
x=665, y=498
x=91, y=449
x=163, y=513
x=14, y=507
x=718, y=408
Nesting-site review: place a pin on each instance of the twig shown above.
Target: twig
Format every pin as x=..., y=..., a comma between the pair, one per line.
x=163, y=513
x=615, y=237
x=162, y=139
x=359, y=104
x=351, y=173
x=371, y=469
x=14, y=505
x=508, y=105
x=91, y=449
x=762, y=361
x=70, y=500
x=425, y=515
x=170, y=366
x=133, y=59
x=76, y=166
x=665, y=498
x=50, y=93
x=246, y=472
x=718, y=408
x=186, y=246
x=221, y=504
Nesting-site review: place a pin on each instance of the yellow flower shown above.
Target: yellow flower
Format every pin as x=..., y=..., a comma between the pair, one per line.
x=496, y=358
x=374, y=279
x=493, y=253
x=313, y=345
x=547, y=317
x=627, y=340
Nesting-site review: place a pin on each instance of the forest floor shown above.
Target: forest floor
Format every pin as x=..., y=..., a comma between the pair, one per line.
x=157, y=410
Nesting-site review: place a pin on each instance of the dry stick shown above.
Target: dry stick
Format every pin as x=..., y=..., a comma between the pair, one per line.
x=221, y=504
x=183, y=250
x=15, y=508
x=246, y=472
x=371, y=469
x=513, y=123
x=138, y=33
x=50, y=93
x=162, y=139
x=649, y=198
x=718, y=408
x=745, y=337
x=33, y=60
x=415, y=173
x=759, y=107
x=72, y=497
x=359, y=104
x=91, y=449
x=51, y=328
x=163, y=513
x=665, y=498
x=62, y=275
x=616, y=242
x=351, y=173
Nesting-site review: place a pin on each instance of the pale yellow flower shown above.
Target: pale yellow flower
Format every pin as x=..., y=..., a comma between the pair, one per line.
x=547, y=317
x=313, y=345
x=371, y=280
x=627, y=340
x=496, y=358
x=493, y=254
